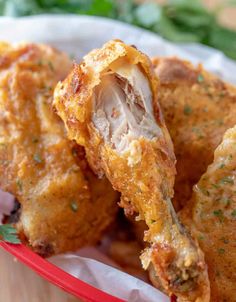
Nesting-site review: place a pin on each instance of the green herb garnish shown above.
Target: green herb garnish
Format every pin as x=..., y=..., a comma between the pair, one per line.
x=219, y=122
x=198, y=132
x=38, y=158
x=227, y=180
x=74, y=206
x=221, y=166
x=176, y=20
x=221, y=251
x=187, y=110
x=19, y=184
x=51, y=66
x=233, y=213
x=226, y=201
x=219, y=214
x=205, y=192
x=222, y=94
x=200, y=78
x=9, y=234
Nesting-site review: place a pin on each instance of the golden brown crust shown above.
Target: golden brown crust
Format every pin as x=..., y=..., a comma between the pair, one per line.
x=63, y=208
x=211, y=215
x=143, y=173
x=85, y=76
x=198, y=109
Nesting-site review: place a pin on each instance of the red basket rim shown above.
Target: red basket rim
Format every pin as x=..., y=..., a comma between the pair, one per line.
x=57, y=276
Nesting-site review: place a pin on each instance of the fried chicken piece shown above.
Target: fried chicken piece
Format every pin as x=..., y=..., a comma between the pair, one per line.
x=198, y=108
x=211, y=214
x=107, y=105
x=62, y=207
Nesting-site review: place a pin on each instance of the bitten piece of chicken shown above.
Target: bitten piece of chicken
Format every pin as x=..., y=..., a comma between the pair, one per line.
x=107, y=105
x=211, y=215
x=198, y=108
x=63, y=207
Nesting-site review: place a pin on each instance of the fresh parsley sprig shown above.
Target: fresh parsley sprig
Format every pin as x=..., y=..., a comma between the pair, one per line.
x=9, y=234
x=176, y=20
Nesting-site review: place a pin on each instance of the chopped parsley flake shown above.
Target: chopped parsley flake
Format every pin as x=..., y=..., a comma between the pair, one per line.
x=8, y=233
x=200, y=78
x=200, y=136
x=19, y=184
x=46, y=89
x=219, y=122
x=221, y=251
x=221, y=166
x=233, y=213
x=205, y=192
x=219, y=214
x=221, y=94
x=226, y=201
x=198, y=132
x=187, y=110
x=215, y=186
x=227, y=180
x=74, y=206
x=51, y=66
x=153, y=220
x=38, y=158
x=201, y=237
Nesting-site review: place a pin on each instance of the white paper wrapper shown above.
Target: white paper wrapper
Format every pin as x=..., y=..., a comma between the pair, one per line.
x=78, y=35
x=107, y=278
x=6, y=204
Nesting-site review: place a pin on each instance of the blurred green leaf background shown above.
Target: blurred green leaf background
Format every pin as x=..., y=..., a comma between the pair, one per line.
x=181, y=21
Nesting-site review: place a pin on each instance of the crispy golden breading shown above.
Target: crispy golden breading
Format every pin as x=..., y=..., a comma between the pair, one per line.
x=62, y=208
x=211, y=214
x=107, y=103
x=198, y=109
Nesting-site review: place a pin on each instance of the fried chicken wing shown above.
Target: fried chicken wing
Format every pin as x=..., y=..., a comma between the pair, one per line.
x=198, y=108
x=107, y=105
x=63, y=206
x=211, y=214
